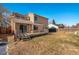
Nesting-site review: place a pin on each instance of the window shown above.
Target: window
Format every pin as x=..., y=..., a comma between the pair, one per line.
x=46, y=26
x=35, y=27
x=28, y=18
x=23, y=28
x=17, y=16
x=36, y=18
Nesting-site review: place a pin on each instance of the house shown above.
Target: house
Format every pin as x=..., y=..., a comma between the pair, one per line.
x=30, y=23
x=16, y=24
x=60, y=25
x=52, y=28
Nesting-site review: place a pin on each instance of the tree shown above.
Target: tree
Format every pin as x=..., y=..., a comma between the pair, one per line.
x=2, y=11
x=53, y=21
x=3, y=19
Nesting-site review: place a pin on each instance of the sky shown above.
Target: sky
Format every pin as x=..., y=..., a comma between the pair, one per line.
x=65, y=13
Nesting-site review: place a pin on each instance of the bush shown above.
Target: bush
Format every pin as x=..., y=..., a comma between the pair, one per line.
x=77, y=33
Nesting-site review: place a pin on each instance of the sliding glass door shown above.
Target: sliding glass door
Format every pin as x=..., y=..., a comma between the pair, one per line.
x=23, y=28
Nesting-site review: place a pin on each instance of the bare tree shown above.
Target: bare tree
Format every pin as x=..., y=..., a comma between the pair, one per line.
x=2, y=10
x=4, y=21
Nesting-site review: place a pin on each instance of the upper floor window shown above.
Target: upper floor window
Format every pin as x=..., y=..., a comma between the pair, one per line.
x=28, y=18
x=18, y=17
x=35, y=18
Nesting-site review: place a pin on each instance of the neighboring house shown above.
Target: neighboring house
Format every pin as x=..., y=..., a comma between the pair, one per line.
x=30, y=23
x=52, y=28
x=61, y=26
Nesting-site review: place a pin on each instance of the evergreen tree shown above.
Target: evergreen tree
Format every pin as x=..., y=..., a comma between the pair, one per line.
x=53, y=21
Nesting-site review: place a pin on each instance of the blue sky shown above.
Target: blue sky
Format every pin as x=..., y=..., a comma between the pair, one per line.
x=65, y=13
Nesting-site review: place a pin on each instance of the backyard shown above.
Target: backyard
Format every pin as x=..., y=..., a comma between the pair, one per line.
x=51, y=44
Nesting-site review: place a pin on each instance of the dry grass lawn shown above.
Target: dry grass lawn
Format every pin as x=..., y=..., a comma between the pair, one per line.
x=58, y=43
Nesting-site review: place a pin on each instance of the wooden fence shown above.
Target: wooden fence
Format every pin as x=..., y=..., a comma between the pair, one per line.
x=68, y=29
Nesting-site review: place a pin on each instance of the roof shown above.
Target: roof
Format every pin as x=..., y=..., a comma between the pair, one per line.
x=52, y=26
x=41, y=16
x=38, y=15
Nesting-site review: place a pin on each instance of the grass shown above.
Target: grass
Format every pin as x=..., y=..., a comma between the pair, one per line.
x=52, y=44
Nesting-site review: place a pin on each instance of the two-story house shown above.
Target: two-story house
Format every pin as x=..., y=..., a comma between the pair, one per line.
x=30, y=23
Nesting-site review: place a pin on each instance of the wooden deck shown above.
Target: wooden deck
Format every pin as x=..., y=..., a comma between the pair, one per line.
x=37, y=34
x=22, y=36
x=11, y=38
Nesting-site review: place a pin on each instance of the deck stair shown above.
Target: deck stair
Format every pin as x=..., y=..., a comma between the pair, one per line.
x=23, y=36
